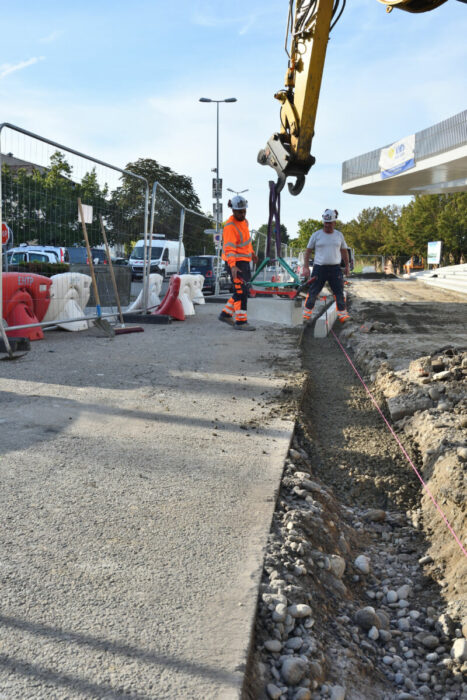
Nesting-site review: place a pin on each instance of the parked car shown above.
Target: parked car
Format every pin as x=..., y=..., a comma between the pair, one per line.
x=120, y=261
x=206, y=265
x=78, y=255
x=60, y=254
x=99, y=256
x=15, y=256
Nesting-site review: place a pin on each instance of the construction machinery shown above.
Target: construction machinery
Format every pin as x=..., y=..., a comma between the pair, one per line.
x=309, y=25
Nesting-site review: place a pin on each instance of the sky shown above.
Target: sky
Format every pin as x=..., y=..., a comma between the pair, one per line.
x=122, y=81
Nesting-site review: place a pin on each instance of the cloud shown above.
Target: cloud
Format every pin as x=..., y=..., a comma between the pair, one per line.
x=7, y=68
x=51, y=37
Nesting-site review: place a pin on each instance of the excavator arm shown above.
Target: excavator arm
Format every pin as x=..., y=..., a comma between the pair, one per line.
x=309, y=25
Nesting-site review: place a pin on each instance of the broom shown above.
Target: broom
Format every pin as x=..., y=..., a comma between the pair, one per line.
x=99, y=321
x=122, y=328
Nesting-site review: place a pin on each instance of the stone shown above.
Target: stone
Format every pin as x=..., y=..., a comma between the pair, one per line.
x=293, y=670
x=299, y=610
x=404, y=592
x=430, y=641
x=373, y=633
x=302, y=694
x=273, y=645
x=384, y=619
x=273, y=691
x=279, y=613
x=362, y=563
x=425, y=560
x=337, y=692
x=439, y=376
x=459, y=650
x=294, y=643
x=445, y=625
x=407, y=405
x=366, y=618
x=462, y=453
x=403, y=624
x=337, y=565
x=375, y=515
x=392, y=597
x=316, y=671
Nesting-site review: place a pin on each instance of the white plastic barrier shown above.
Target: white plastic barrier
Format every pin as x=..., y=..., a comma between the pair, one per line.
x=190, y=289
x=198, y=297
x=155, y=286
x=69, y=295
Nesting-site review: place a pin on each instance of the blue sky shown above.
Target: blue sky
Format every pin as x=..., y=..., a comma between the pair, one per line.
x=122, y=81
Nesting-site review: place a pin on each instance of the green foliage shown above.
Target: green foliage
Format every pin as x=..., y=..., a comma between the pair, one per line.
x=306, y=227
x=40, y=268
x=374, y=231
x=129, y=198
x=283, y=232
x=401, y=232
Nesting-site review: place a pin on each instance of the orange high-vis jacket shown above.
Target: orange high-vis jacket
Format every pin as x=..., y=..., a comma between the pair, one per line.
x=236, y=242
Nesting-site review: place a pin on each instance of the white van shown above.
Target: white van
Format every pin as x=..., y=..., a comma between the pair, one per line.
x=164, y=256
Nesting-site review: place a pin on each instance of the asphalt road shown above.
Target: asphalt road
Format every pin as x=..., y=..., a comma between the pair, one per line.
x=138, y=482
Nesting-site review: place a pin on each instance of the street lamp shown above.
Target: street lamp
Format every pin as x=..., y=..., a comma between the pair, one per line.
x=236, y=191
x=218, y=193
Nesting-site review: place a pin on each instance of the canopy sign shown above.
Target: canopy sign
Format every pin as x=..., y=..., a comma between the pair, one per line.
x=397, y=158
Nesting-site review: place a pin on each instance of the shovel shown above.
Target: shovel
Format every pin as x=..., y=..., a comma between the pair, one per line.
x=122, y=329
x=99, y=321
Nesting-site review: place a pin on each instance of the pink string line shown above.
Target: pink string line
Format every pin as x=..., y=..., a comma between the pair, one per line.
x=401, y=446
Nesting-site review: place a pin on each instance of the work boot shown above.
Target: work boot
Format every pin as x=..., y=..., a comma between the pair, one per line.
x=225, y=318
x=343, y=316
x=244, y=327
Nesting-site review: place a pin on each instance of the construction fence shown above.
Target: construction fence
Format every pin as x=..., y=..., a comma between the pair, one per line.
x=41, y=185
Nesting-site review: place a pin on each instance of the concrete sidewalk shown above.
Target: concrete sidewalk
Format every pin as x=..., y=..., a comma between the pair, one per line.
x=139, y=478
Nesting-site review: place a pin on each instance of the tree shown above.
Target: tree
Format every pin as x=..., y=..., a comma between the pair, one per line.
x=374, y=230
x=306, y=227
x=129, y=200
x=436, y=217
x=452, y=227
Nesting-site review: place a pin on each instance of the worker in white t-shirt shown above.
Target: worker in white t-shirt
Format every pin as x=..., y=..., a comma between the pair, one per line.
x=329, y=249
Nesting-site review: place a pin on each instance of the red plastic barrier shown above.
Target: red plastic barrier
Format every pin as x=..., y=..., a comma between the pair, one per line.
x=26, y=298
x=171, y=304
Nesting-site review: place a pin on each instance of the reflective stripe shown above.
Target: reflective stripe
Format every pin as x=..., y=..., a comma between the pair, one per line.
x=242, y=245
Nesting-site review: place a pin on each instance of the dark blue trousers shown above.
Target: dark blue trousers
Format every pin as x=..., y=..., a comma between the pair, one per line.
x=326, y=273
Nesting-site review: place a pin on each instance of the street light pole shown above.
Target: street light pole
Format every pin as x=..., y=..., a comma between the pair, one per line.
x=218, y=188
x=236, y=191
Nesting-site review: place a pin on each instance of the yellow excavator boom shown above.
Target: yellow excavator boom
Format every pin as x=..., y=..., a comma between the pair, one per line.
x=309, y=25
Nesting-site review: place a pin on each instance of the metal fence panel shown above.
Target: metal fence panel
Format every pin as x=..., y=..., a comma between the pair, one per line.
x=40, y=184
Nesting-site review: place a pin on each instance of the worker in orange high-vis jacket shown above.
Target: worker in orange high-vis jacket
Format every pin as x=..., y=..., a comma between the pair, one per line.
x=237, y=251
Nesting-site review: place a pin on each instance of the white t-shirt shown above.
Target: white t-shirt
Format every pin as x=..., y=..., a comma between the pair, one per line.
x=327, y=247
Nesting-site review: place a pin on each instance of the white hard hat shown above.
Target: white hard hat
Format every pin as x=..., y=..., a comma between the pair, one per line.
x=239, y=202
x=329, y=215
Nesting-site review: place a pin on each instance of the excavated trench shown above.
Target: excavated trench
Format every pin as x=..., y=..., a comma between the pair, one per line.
x=349, y=606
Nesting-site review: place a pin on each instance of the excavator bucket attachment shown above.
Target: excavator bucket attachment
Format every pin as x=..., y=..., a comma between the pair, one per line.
x=412, y=5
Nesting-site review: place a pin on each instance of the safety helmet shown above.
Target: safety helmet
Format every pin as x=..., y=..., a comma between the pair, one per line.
x=329, y=215
x=239, y=202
